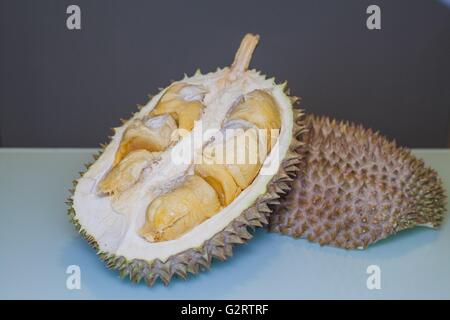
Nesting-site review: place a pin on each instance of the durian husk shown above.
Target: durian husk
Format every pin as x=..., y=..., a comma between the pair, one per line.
x=355, y=187
x=220, y=246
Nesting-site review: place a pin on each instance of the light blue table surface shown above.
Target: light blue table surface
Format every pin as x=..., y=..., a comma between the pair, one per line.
x=37, y=244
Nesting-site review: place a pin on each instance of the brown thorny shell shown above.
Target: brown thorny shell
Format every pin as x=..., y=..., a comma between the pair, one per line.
x=219, y=246
x=355, y=187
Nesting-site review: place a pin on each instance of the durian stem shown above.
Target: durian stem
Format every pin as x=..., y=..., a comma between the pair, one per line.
x=244, y=54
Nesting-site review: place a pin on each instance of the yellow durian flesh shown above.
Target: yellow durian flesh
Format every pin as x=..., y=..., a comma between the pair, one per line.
x=241, y=154
x=220, y=179
x=259, y=108
x=153, y=135
x=183, y=102
x=172, y=214
x=179, y=108
x=248, y=156
x=126, y=173
x=227, y=168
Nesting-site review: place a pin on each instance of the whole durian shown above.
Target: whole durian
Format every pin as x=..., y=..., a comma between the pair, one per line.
x=160, y=201
x=355, y=187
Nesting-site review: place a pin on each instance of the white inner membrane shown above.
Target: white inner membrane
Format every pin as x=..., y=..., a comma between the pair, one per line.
x=114, y=223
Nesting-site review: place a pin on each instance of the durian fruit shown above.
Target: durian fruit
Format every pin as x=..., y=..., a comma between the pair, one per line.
x=158, y=201
x=355, y=188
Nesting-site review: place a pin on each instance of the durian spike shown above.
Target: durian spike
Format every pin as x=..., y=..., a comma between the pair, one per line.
x=244, y=54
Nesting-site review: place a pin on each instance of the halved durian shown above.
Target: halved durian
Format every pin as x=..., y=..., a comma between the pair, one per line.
x=176, y=216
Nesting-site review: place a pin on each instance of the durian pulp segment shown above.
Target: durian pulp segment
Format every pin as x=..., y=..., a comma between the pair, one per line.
x=183, y=103
x=258, y=108
x=127, y=172
x=178, y=210
x=118, y=232
x=153, y=134
x=230, y=164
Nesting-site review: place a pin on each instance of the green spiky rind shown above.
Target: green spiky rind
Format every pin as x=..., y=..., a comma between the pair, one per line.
x=71, y=211
x=220, y=246
x=355, y=188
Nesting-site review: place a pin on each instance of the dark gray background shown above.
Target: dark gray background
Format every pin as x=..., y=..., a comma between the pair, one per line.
x=61, y=88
